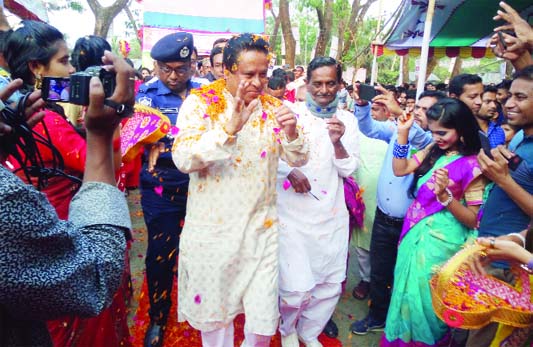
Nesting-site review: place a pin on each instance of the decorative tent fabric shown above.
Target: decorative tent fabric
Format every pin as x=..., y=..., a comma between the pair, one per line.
x=460, y=27
x=27, y=9
x=207, y=21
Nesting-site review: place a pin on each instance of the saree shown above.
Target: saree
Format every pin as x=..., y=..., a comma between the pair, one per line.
x=430, y=236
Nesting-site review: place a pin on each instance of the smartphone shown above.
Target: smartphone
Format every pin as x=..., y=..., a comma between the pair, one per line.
x=56, y=89
x=367, y=92
x=485, y=143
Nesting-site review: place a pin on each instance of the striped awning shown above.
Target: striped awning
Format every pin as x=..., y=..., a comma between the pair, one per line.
x=460, y=27
x=439, y=52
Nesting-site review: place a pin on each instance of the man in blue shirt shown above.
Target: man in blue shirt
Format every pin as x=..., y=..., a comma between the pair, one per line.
x=509, y=205
x=487, y=113
x=163, y=187
x=392, y=203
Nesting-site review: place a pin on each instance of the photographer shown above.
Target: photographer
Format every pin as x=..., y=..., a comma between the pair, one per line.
x=51, y=267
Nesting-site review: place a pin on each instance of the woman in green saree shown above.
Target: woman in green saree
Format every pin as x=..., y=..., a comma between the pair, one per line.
x=448, y=189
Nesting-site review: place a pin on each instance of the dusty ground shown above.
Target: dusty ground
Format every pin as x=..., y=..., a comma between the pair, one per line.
x=348, y=309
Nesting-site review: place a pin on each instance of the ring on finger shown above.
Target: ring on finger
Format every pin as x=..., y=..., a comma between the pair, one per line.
x=492, y=242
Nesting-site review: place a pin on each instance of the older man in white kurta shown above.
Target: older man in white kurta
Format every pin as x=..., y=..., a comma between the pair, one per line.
x=314, y=223
x=229, y=245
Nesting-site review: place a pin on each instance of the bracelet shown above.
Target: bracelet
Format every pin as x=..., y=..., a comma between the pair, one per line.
x=522, y=238
x=449, y=200
x=400, y=151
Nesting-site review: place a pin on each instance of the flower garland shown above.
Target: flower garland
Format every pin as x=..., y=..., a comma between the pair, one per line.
x=213, y=95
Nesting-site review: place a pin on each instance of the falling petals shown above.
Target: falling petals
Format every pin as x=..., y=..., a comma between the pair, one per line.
x=197, y=299
x=174, y=131
x=159, y=190
x=276, y=130
x=268, y=223
x=263, y=154
x=264, y=116
x=286, y=184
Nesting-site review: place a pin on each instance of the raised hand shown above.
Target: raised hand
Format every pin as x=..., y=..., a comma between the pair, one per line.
x=405, y=122
x=521, y=28
x=440, y=181
x=287, y=121
x=336, y=129
x=241, y=113
x=388, y=99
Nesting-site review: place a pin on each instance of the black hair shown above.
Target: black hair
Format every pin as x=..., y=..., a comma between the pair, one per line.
x=145, y=68
x=289, y=76
x=215, y=51
x=458, y=82
x=524, y=74
x=31, y=41
x=452, y=114
x=3, y=39
x=220, y=40
x=319, y=62
x=349, y=88
x=441, y=87
x=88, y=51
x=490, y=89
x=410, y=94
x=242, y=43
x=432, y=94
x=279, y=72
x=504, y=84
x=276, y=83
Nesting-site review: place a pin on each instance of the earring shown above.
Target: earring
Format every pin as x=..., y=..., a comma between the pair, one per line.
x=38, y=81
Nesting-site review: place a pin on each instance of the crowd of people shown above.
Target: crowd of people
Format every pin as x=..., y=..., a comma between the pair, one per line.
x=264, y=184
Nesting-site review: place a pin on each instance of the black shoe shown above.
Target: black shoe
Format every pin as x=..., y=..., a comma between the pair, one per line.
x=331, y=330
x=154, y=335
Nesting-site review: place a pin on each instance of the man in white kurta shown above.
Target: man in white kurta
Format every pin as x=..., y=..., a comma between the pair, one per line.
x=314, y=221
x=228, y=260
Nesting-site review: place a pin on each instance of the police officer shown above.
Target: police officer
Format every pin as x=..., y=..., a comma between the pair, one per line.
x=163, y=187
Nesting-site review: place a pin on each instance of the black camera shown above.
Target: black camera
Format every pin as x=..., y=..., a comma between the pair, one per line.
x=76, y=88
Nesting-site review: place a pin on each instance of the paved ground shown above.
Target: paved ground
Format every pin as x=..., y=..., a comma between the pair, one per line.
x=348, y=309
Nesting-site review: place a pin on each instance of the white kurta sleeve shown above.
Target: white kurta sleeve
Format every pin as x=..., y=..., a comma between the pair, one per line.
x=295, y=153
x=350, y=141
x=199, y=144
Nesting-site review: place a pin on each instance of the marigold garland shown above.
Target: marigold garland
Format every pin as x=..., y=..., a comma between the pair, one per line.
x=213, y=95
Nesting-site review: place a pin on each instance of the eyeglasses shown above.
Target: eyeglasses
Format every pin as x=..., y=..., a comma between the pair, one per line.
x=180, y=71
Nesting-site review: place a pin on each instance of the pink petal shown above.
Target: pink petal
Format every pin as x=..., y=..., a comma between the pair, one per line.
x=286, y=184
x=197, y=299
x=206, y=115
x=263, y=154
x=276, y=130
x=174, y=131
x=215, y=98
x=159, y=190
x=264, y=115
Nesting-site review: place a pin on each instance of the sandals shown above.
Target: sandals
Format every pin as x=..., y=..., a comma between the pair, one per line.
x=360, y=292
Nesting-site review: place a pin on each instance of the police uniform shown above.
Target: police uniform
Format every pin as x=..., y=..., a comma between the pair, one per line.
x=164, y=191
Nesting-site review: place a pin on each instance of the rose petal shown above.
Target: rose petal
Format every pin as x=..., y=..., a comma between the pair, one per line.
x=286, y=184
x=159, y=190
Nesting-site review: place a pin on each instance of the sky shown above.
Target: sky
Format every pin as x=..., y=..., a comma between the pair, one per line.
x=76, y=25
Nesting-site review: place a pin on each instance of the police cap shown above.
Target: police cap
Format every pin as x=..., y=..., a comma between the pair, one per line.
x=173, y=47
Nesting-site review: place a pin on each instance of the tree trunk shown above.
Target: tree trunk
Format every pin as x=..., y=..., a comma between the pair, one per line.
x=133, y=23
x=356, y=17
x=405, y=69
x=432, y=63
x=274, y=37
x=325, y=22
x=104, y=15
x=286, y=27
x=456, y=67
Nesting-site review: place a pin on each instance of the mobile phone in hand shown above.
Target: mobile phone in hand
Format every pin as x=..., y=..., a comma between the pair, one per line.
x=367, y=92
x=485, y=143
